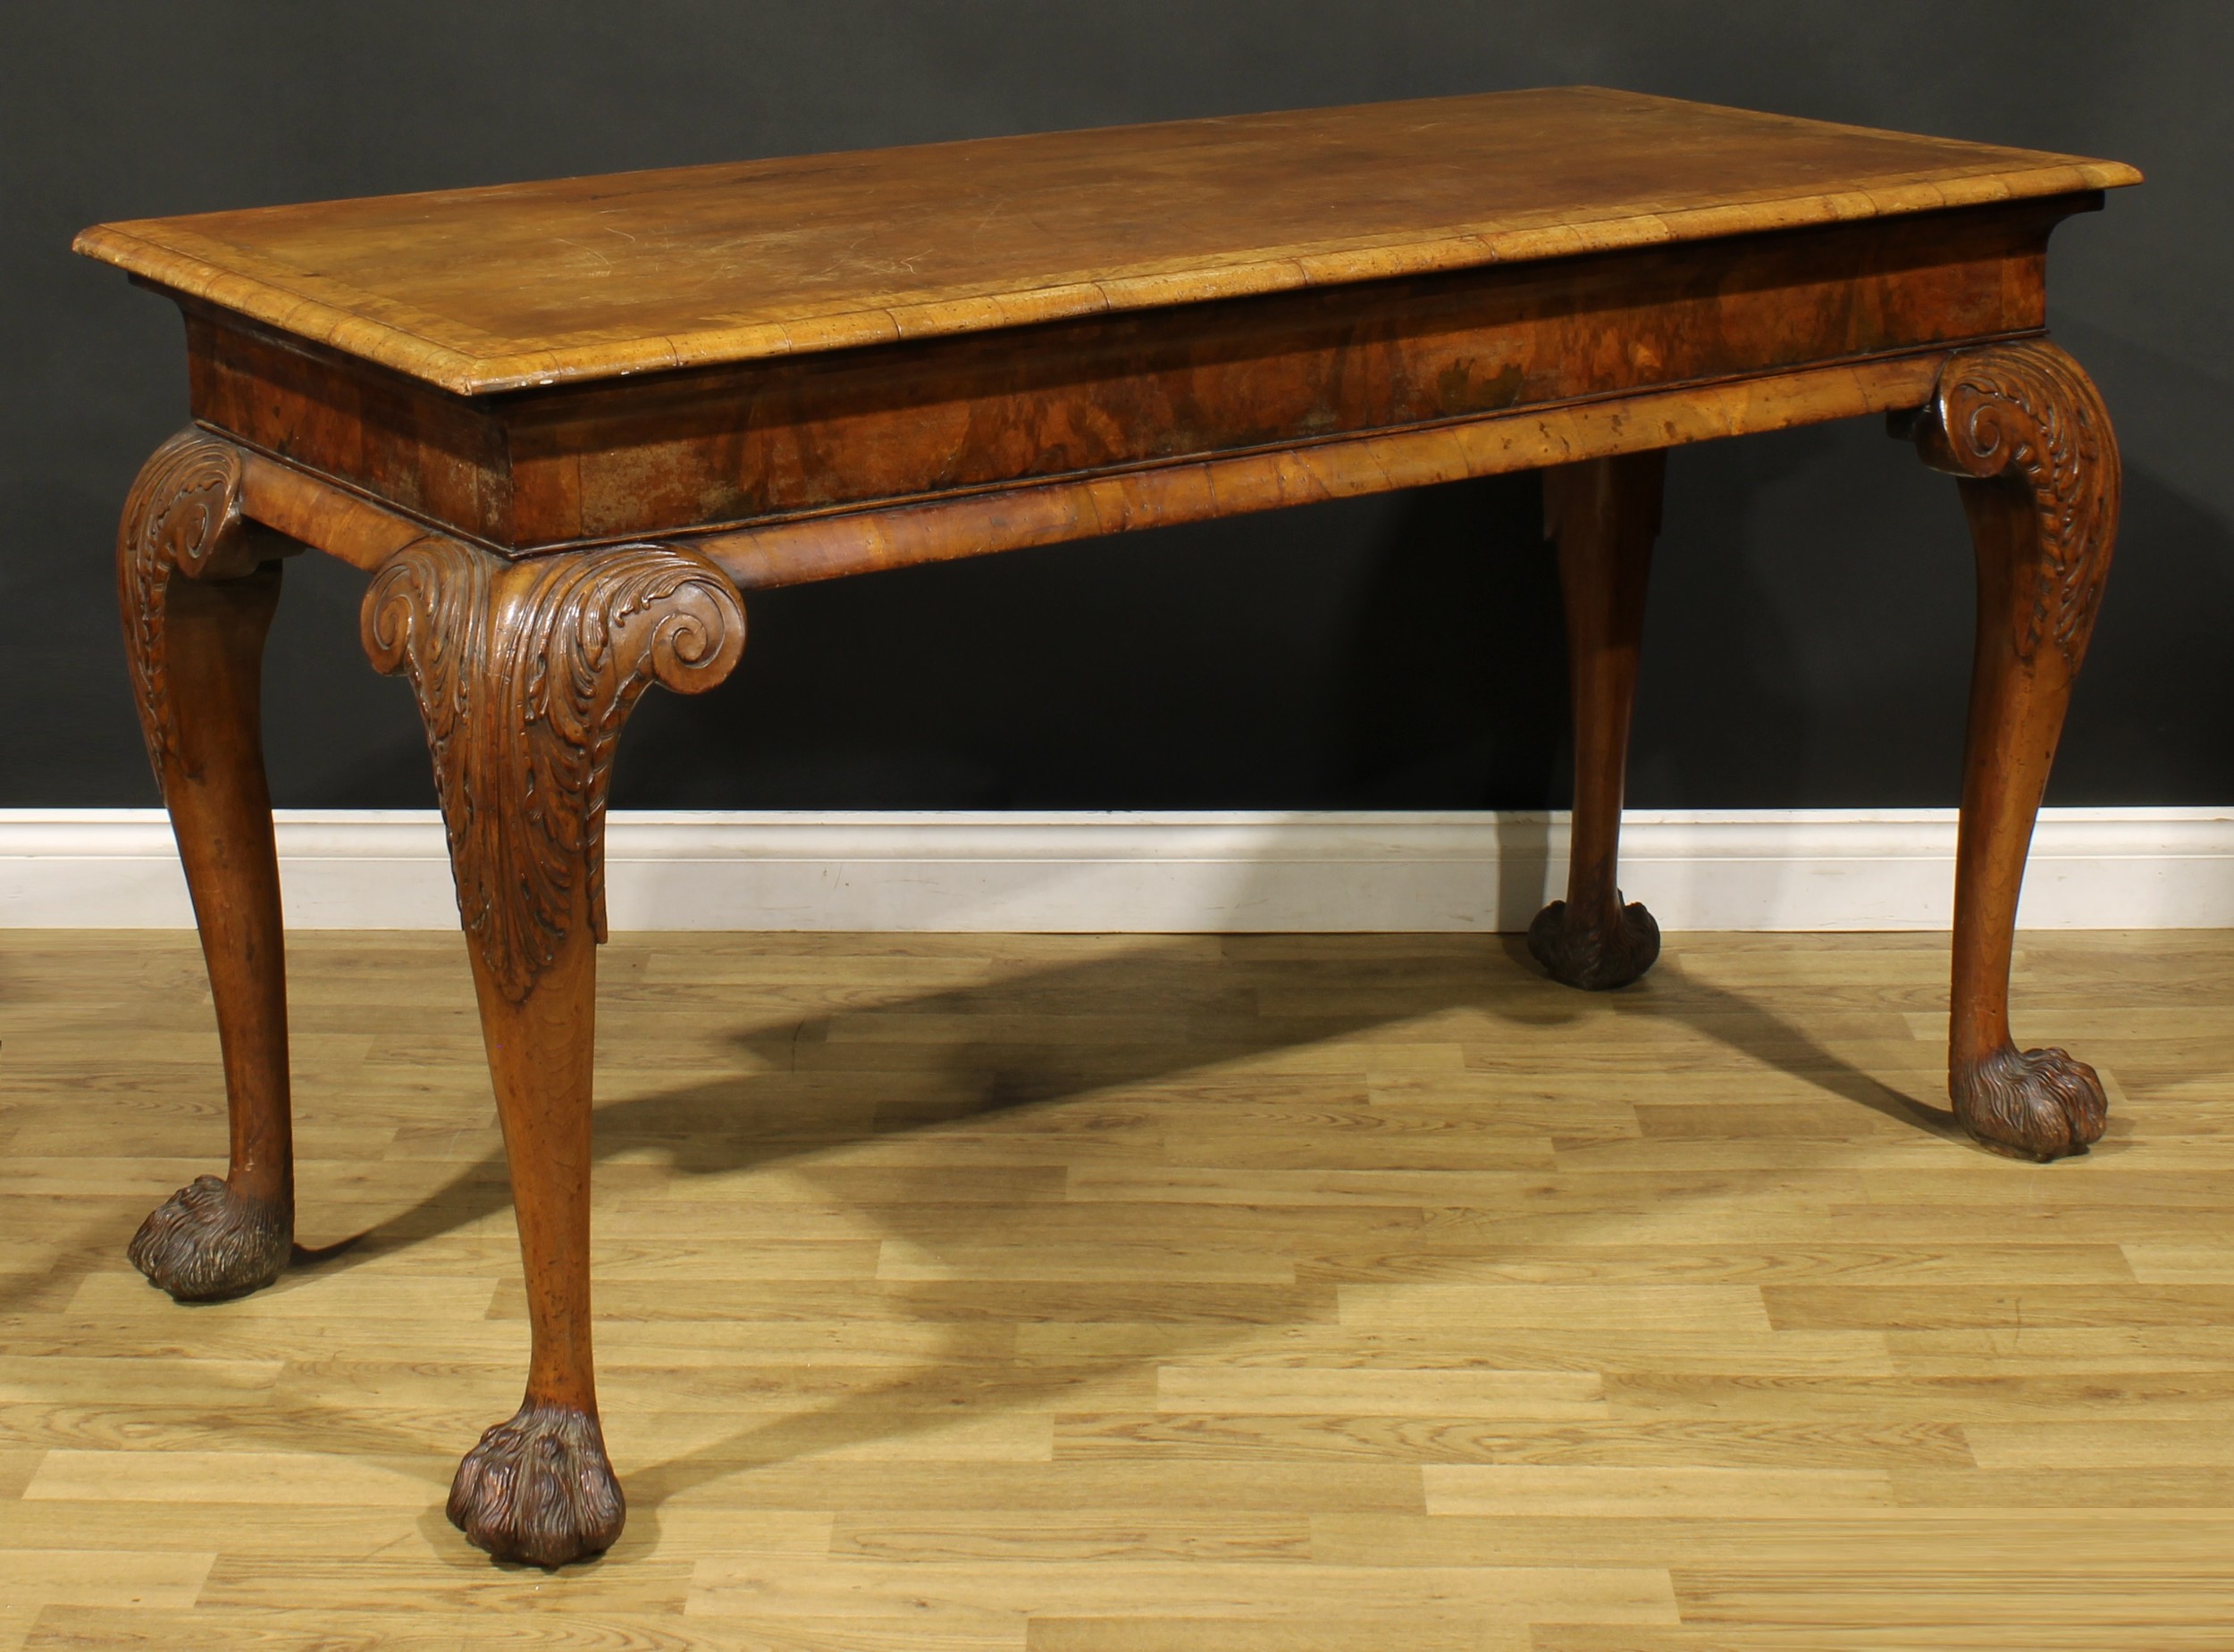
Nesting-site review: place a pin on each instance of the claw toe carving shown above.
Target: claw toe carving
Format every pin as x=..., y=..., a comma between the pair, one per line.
x=1594, y=956
x=538, y=1489
x=2041, y=1104
x=207, y=1242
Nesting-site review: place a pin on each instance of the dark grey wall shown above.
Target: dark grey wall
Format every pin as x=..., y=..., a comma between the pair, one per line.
x=1809, y=618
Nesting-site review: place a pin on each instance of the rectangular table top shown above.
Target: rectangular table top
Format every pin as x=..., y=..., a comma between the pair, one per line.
x=504, y=288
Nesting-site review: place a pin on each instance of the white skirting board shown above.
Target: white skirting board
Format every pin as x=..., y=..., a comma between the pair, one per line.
x=1166, y=873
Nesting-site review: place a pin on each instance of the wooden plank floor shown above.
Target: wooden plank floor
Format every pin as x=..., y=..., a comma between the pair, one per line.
x=1131, y=1295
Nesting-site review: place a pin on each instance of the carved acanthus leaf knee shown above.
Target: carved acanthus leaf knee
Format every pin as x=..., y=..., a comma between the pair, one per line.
x=525, y=672
x=2025, y=431
x=183, y=517
x=197, y=597
x=2027, y=415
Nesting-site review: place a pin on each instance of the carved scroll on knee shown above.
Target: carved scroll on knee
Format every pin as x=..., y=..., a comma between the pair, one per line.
x=525, y=672
x=2027, y=417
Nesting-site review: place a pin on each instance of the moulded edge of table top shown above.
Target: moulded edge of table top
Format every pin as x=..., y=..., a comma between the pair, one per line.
x=188, y=264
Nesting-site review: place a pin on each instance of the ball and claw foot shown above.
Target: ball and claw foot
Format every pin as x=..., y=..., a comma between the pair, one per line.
x=1595, y=956
x=538, y=1489
x=207, y=1242
x=2040, y=1104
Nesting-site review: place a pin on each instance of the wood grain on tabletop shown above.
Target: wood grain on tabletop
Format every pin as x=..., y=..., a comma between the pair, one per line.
x=1071, y=1294
x=502, y=287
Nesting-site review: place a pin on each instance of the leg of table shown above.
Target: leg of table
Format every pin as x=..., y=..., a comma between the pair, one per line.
x=539, y=1487
x=2025, y=430
x=1604, y=514
x=525, y=672
x=197, y=591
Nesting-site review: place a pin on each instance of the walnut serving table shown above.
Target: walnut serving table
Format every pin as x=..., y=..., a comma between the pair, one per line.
x=563, y=425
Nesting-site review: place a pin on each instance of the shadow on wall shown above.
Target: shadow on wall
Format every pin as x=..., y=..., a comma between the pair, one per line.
x=1402, y=652
x=1455, y=673
x=1807, y=645
x=1809, y=640
x=2153, y=714
x=2153, y=720
x=2154, y=717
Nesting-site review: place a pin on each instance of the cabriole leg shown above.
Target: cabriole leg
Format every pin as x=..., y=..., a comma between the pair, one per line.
x=2025, y=430
x=525, y=674
x=198, y=585
x=1604, y=514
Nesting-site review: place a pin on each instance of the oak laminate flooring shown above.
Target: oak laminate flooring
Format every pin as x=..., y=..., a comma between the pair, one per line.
x=1117, y=1295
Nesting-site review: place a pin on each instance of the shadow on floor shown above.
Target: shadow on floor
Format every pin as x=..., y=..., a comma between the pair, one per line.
x=800, y=1115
